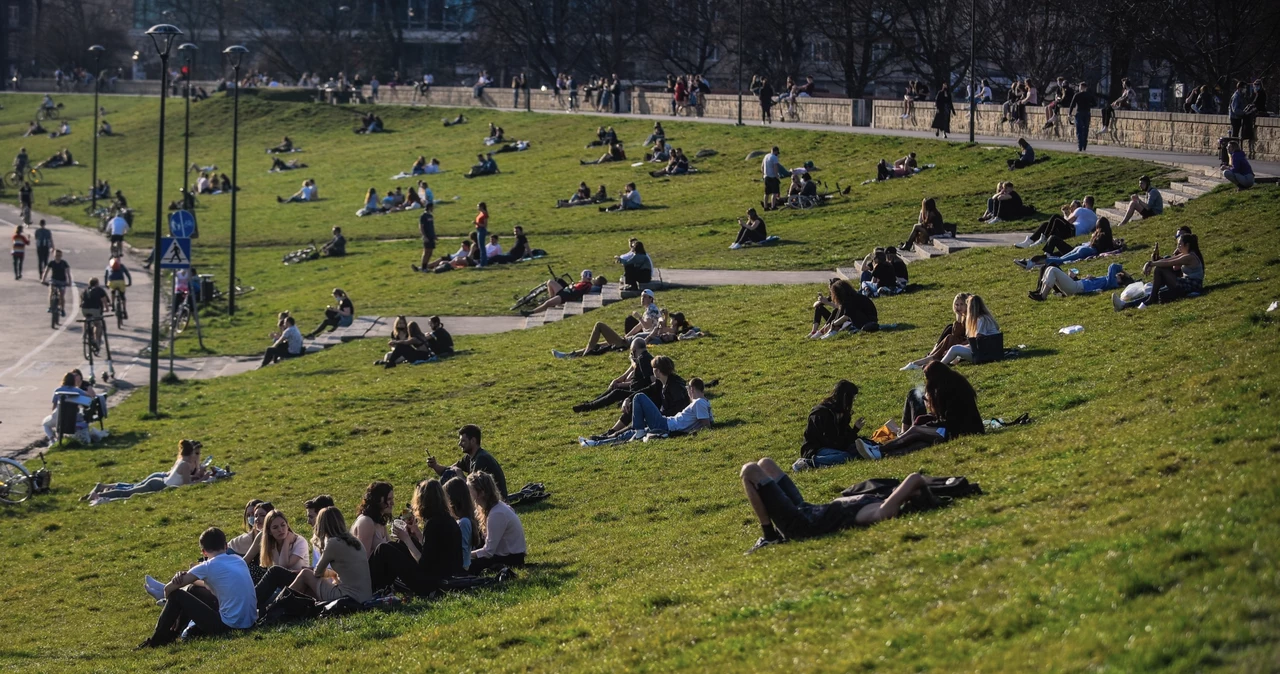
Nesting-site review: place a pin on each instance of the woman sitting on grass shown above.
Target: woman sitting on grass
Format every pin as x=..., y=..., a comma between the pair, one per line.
x=880, y=275
x=1178, y=275
x=282, y=553
x=376, y=508
x=407, y=343
x=579, y=198
x=750, y=231
x=978, y=322
x=831, y=434
x=340, y=317
x=1026, y=156
x=849, y=310
x=186, y=470
x=951, y=335
x=431, y=545
x=285, y=145
x=244, y=542
x=504, y=543
x=1005, y=204
x=929, y=226
x=947, y=408
x=615, y=153
x=638, y=378
x=1100, y=242
x=341, y=551
x=463, y=510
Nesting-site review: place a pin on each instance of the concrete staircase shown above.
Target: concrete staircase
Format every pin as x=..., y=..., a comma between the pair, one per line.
x=359, y=328
x=609, y=294
x=1198, y=181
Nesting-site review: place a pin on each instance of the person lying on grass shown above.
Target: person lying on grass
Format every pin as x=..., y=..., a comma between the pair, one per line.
x=306, y=193
x=1005, y=204
x=461, y=259
x=674, y=396
x=647, y=418
x=946, y=408
x=1178, y=275
x=427, y=552
x=978, y=322
x=1078, y=218
x=831, y=435
x=844, y=309
x=340, y=317
x=287, y=345
x=224, y=601
x=615, y=153
x=750, y=231
x=341, y=552
x=285, y=145
x=460, y=119
x=900, y=168
x=279, y=165
x=474, y=459
x=630, y=200
x=929, y=225
x=560, y=293
x=1055, y=280
x=1149, y=207
x=583, y=197
x=186, y=470
x=638, y=378
x=641, y=324
x=518, y=146
x=1058, y=252
x=784, y=515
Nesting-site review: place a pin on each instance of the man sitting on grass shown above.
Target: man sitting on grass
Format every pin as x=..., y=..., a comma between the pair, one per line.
x=646, y=418
x=485, y=166
x=1150, y=207
x=225, y=602
x=289, y=345
x=474, y=459
x=674, y=398
x=630, y=200
x=785, y=516
x=337, y=246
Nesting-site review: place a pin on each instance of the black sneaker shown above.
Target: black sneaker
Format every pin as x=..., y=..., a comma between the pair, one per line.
x=415, y=267
x=579, y=408
x=1035, y=296
x=762, y=542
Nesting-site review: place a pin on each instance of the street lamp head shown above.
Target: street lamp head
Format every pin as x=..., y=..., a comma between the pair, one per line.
x=235, y=54
x=188, y=47
x=163, y=36
x=97, y=49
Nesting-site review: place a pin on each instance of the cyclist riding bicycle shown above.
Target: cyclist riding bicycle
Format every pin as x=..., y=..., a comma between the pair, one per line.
x=117, y=278
x=118, y=226
x=57, y=274
x=93, y=304
x=47, y=103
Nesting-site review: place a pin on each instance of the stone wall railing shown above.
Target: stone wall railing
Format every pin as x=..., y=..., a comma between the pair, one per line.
x=826, y=111
x=124, y=87
x=1169, y=131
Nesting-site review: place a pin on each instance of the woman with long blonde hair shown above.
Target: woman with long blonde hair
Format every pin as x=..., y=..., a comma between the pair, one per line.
x=281, y=552
x=504, y=543
x=951, y=335
x=343, y=552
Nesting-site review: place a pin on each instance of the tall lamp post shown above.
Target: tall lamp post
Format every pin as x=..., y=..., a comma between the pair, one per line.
x=189, y=50
x=235, y=54
x=973, y=48
x=96, y=50
x=162, y=36
x=741, y=3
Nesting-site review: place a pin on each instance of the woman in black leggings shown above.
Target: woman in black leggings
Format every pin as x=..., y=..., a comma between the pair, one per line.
x=637, y=379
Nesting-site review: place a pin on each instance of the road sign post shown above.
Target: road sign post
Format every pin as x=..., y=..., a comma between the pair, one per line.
x=175, y=253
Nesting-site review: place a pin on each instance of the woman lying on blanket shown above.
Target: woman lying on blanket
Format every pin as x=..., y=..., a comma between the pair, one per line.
x=977, y=322
x=186, y=469
x=1005, y=204
x=946, y=408
x=929, y=226
x=1058, y=252
x=1178, y=275
x=900, y=168
x=845, y=309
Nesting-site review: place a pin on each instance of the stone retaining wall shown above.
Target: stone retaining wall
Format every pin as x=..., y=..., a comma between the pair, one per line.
x=1175, y=132
x=828, y=111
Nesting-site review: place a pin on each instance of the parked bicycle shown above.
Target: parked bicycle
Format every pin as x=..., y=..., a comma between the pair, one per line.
x=70, y=200
x=531, y=298
x=240, y=291
x=302, y=254
x=17, y=484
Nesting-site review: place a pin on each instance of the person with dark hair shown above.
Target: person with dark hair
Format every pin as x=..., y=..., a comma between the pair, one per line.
x=784, y=515
x=845, y=309
x=930, y=224
x=376, y=507
x=474, y=459
x=774, y=172
x=831, y=434
x=581, y=197
x=947, y=408
x=1078, y=218
x=751, y=231
x=1239, y=172
x=1026, y=155
x=944, y=110
x=647, y=418
x=765, y=95
x=899, y=266
x=439, y=341
x=337, y=246
x=427, y=230
x=1152, y=206
x=225, y=602
x=879, y=277
x=1176, y=276
x=615, y=153
x=1054, y=280
x=1081, y=107
x=638, y=378
x=186, y=470
x=1005, y=204
x=407, y=345
x=288, y=345
x=637, y=267
x=313, y=507
x=1057, y=252
x=674, y=397
x=629, y=201
x=643, y=324
x=340, y=317
x=431, y=543
x=518, y=251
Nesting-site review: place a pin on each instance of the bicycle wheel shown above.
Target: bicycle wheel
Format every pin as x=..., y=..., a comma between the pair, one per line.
x=15, y=482
x=42, y=114
x=182, y=321
x=244, y=290
x=55, y=309
x=12, y=179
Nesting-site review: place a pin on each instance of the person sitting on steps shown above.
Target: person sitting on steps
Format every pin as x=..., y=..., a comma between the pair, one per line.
x=784, y=515
x=288, y=345
x=1150, y=207
x=341, y=317
x=560, y=293
x=1077, y=219
x=930, y=225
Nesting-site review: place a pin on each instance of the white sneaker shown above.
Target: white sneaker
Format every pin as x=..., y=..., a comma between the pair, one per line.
x=800, y=464
x=829, y=335
x=910, y=366
x=871, y=452
x=1025, y=243
x=735, y=246
x=560, y=354
x=587, y=442
x=1116, y=302
x=993, y=221
x=153, y=587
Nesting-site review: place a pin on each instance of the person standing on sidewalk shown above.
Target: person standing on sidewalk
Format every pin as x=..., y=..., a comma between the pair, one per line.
x=44, y=245
x=482, y=232
x=1082, y=106
x=20, y=243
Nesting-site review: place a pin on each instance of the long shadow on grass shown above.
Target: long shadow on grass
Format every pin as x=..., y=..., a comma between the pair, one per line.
x=1033, y=353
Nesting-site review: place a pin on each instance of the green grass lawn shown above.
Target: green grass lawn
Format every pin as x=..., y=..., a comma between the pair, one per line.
x=690, y=222
x=1131, y=527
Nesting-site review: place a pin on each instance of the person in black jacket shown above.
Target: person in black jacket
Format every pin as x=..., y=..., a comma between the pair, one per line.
x=429, y=549
x=829, y=438
x=948, y=409
x=637, y=379
x=674, y=397
x=850, y=310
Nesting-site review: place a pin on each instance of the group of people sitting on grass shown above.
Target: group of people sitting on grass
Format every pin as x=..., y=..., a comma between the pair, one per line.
x=469, y=251
x=457, y=526
x=208, y=183
x=370, y=123
x=677, y=164
x=396, y=200
x=883, y=273
x=900, y=168
x=409, y=344
x=421, y=167
x=307, y=193
x=584, y=197
x=484, y=166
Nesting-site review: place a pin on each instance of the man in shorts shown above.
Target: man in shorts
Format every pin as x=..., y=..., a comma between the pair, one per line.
x=773, y=171
x=117, y=277
x=784, y=514
x=427, y=229
x=561, y=293
x=58, y=275
x=118, y=227
x=93, y=304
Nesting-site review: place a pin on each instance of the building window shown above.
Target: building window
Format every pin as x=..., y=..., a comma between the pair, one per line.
x=820, y=51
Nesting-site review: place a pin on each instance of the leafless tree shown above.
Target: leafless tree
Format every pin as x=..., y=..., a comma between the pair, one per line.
x=68, y=27
x=1214, y=42
x=688, y=36
x=858, y=31
x=1039, y=40
x=932, y=36
x=549, y=34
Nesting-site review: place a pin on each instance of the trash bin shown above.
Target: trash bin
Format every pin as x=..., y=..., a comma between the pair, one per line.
x=206, y=288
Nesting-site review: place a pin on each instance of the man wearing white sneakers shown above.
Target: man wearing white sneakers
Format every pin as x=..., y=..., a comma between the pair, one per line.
x=1077, y=219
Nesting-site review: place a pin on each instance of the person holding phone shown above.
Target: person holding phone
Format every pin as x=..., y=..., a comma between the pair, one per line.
x=829, y=437
x=474, y=458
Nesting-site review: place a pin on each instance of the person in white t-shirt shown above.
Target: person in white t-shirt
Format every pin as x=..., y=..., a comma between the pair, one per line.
x=1077, y=219
x=494, y=248
x=229, y=603
x=647, y=418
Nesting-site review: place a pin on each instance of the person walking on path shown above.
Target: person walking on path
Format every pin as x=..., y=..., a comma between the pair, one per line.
x=1081, y=106
x=44, y=245
x=766, y=101
x=945, y=109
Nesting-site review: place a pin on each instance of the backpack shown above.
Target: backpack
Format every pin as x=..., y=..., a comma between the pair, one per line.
x=288, y=607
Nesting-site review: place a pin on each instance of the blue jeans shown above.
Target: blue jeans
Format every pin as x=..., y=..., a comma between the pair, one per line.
x=830, y=457
x=645, y=414
x=1082, y=131
x=482, y=238
x=1079, y=253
